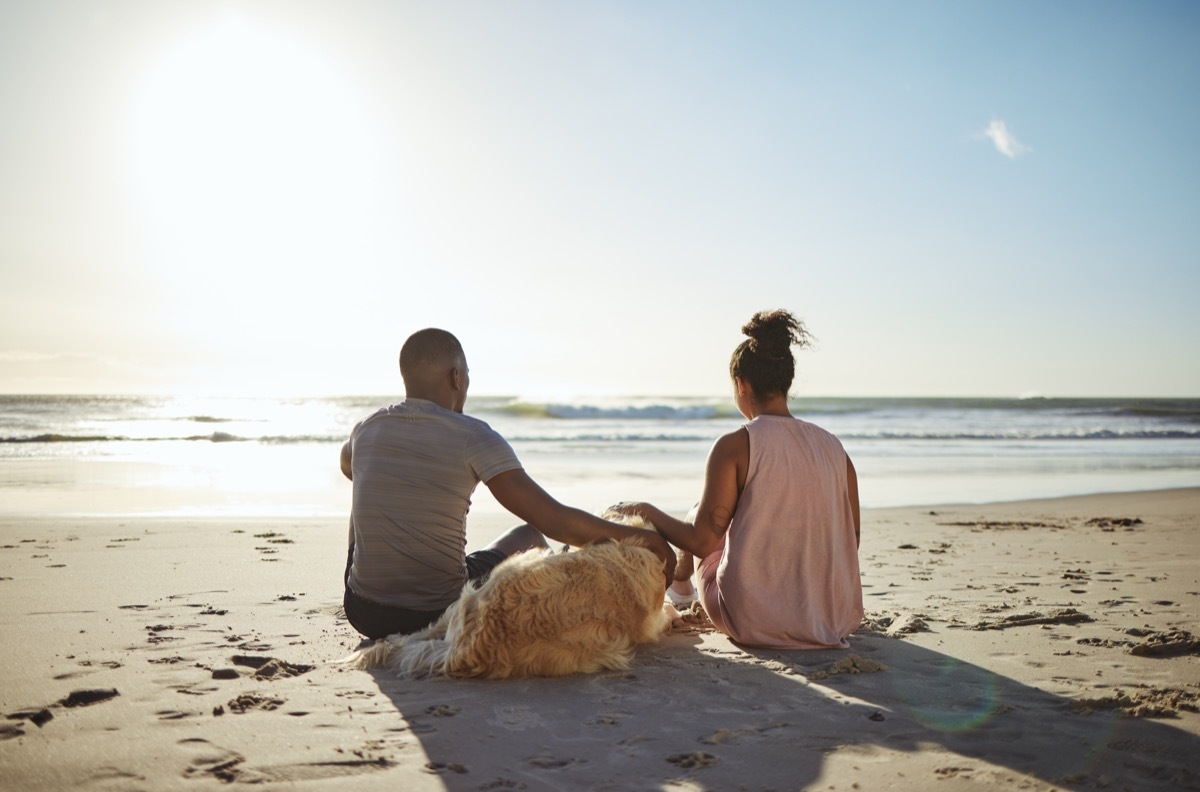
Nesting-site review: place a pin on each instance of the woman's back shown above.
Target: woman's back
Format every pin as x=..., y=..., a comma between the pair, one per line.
x=789, y=574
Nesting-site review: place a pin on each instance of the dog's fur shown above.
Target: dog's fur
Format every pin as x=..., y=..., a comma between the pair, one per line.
x=540, y=614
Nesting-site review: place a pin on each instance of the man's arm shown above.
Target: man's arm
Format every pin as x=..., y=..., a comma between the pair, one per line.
x=347, y=470
x=522, y=496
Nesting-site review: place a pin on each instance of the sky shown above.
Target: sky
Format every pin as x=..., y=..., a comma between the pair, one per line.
x=959, y=199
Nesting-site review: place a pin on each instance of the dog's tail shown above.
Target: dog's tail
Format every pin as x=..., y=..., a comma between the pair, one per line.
x=408, y=655
x=377, y=655
x=423, y=658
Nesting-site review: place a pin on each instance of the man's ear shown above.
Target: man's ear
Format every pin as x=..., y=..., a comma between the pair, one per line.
x=456, y=378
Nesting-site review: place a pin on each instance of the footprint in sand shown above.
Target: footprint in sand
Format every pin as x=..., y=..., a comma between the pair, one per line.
x=38, y=717
x=1063, y=616
x=851, y=664
x=88, y=697
x=107, y=775
x=251, y=701
x=156, y=633
x=1110, y=524
x=9, y=731
x=721, y=736
x=225, y=765
x=442, y=710
x=195, y=690
x=270, y=667
x=518, y=718
x=211, y=760
x=89, y=668
x=271, y=538
x=167, y=660
x=695, y=760
x=1142, y=702
x=550, y=763
x=1166, y=643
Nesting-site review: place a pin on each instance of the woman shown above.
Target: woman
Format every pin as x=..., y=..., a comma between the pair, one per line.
x=777, y=526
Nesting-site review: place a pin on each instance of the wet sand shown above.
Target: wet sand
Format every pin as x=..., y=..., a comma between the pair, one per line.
x=1031, y=645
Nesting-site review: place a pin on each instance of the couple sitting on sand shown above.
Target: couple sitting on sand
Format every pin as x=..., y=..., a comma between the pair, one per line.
x=776, y=529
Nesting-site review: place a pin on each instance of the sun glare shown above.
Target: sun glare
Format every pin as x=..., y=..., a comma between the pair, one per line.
x=255, y=171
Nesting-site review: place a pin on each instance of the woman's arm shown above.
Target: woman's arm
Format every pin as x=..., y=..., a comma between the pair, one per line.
x=852, y=489
x=724, y=478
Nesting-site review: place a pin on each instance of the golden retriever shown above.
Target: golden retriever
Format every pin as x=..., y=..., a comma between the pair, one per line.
x=540, y=613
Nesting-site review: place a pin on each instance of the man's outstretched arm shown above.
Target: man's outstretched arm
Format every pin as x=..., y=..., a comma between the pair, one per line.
x=522, y=496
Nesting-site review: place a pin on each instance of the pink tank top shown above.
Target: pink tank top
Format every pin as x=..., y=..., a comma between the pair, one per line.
x=788, y=575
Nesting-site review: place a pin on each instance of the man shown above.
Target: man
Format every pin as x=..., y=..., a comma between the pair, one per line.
x=414, y=466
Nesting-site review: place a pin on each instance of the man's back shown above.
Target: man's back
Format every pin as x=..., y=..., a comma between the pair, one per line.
x=415, y=466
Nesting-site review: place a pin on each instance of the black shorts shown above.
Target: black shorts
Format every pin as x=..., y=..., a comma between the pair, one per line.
x=378, y=621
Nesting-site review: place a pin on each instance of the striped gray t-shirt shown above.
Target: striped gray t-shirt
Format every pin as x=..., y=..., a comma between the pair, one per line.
x=415, y=466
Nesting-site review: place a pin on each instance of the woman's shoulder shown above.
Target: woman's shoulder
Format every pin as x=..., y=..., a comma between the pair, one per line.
x=735, y=442
x=817, y=434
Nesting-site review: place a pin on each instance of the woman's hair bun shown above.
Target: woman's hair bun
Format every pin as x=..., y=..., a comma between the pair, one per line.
x=773, y=333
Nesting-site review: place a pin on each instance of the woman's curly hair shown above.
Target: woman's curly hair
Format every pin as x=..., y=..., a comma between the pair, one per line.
x=764, y=359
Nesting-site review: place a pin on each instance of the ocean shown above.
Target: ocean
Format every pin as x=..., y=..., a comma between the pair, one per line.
x=142, y=455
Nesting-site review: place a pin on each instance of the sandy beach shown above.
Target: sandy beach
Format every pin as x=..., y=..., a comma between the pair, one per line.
x=1032, y=645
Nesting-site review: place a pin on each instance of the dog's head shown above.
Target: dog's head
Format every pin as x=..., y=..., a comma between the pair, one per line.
x=632, y=520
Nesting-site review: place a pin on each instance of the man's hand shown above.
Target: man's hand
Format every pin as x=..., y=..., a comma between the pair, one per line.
x=649, y=536
x=521, y=495
x=654, y=542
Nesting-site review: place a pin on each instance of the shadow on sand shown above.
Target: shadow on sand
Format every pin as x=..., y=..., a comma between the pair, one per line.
x=698, y=713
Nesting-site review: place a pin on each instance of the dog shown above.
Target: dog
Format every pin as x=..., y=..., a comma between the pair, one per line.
x=540, y=613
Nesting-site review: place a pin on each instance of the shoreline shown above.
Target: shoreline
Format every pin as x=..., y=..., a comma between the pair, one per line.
x=994, y=633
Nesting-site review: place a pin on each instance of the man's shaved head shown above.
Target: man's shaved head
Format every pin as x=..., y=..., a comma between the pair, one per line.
x=427, y=356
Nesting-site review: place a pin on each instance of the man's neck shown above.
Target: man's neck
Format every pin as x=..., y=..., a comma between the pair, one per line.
x=445, y=400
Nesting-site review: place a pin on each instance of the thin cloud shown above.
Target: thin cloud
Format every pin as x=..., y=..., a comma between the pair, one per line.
x=24, y=356
x=1004, y=140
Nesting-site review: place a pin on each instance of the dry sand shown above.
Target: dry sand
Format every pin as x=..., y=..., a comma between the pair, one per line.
x=1034, y=645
